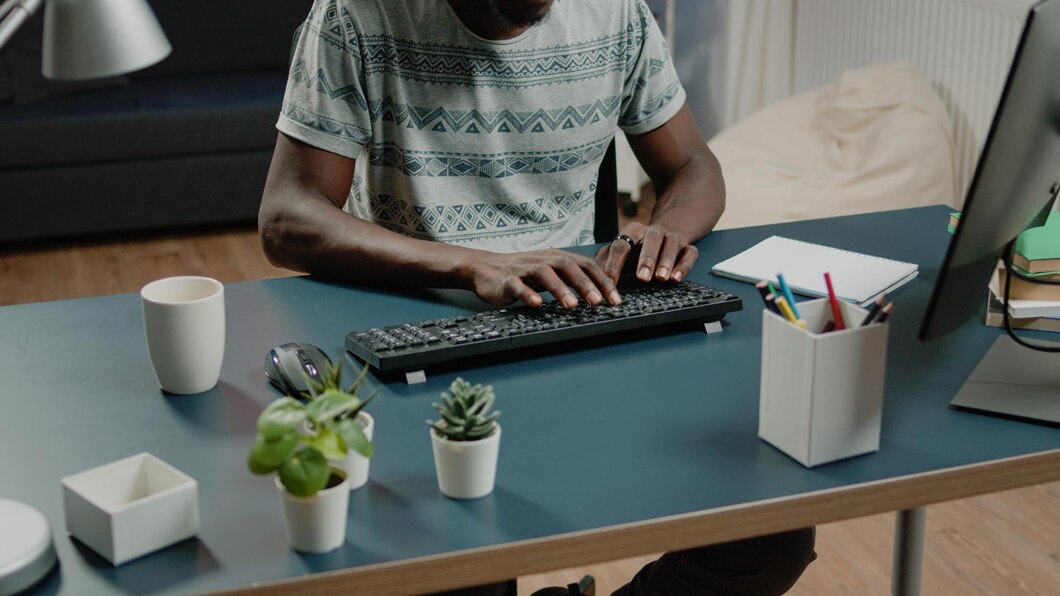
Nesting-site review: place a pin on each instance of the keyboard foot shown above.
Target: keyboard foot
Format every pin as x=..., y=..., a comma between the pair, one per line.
x=415, y=377
x=712, y=327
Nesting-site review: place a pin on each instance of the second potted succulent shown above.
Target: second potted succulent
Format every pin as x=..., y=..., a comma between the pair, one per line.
x=466, y=441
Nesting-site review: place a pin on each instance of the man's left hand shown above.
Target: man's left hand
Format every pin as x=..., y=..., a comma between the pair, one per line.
x=664, y=255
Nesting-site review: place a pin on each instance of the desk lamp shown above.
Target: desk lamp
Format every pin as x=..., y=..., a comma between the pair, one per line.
x=90, y=39
x=83, y=39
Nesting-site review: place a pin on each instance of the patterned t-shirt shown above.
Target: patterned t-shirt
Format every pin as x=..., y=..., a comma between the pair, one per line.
x=488, y=144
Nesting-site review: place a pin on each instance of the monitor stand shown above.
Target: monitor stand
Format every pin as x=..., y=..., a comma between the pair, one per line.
x=1014, y=381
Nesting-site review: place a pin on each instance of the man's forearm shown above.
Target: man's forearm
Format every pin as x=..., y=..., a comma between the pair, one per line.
x=315, y=236
x=692, y=201
x=303, y=227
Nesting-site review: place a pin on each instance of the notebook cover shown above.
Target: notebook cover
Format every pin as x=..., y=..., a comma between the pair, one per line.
x=857, y=277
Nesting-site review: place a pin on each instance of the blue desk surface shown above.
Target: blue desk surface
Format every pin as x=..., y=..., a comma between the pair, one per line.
x=592, y=438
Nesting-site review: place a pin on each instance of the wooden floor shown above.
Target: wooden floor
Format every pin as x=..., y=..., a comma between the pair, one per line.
x=1005, y=544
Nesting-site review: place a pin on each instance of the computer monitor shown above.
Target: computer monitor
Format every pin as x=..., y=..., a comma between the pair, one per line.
x=1014, y=186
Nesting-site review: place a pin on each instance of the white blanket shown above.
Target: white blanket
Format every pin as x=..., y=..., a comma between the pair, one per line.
x=880, y=138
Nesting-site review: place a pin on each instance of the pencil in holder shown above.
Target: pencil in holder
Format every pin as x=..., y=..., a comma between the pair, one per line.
x=821, y=396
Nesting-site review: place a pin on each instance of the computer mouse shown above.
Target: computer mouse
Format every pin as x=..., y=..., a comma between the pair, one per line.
x=287, y=365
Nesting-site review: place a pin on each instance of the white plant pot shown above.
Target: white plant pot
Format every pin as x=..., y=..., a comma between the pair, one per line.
x=316, y=524
x=466, y=469
x=355, y=464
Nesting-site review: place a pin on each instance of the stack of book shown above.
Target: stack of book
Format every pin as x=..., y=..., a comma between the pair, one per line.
x=1031, y=305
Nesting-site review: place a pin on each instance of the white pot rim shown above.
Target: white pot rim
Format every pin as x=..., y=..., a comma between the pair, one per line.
x=369, y=421
x=495, y=435
x=321, y=493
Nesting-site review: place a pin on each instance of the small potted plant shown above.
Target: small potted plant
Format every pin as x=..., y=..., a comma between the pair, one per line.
x=466, y=441
x=295, y=440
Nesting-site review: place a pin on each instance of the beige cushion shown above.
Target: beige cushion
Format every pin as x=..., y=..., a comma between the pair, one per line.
x=878, y=139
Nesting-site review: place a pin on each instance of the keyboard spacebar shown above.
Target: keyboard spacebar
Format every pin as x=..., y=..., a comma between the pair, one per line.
x=445, y=353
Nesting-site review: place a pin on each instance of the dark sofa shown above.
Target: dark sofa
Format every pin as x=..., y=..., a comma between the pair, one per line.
x=183, y=144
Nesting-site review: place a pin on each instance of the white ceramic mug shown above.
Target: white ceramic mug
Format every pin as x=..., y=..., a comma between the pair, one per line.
x=184, y=321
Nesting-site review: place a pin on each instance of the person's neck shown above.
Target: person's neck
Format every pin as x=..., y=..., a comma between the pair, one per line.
x=483, y=23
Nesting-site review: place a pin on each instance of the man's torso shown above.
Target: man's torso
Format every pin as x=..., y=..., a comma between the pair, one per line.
x=491, y=144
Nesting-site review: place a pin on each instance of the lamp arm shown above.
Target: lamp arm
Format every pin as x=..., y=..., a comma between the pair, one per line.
x=7, y=7
x=12, y=14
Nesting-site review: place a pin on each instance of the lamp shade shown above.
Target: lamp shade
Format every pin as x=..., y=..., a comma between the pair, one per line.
x=89, y=39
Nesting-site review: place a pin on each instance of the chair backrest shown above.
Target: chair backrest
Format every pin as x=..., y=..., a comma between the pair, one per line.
x=606, y=227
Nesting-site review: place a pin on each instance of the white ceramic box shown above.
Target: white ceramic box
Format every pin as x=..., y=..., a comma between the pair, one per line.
x=131, y=507
x=821, y=395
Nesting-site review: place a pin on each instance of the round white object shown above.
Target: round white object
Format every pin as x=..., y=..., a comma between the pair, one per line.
x=26, y=550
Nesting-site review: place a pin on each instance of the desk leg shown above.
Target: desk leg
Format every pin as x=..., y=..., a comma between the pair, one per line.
x=908, y=551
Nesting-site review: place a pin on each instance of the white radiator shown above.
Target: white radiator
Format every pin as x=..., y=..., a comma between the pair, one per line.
x=964, y=47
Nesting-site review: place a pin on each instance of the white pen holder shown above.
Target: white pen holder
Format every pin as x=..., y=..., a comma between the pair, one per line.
x=822, y=393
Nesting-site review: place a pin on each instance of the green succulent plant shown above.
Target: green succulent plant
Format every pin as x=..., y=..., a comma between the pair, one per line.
x=296, y=440
x=465, y=412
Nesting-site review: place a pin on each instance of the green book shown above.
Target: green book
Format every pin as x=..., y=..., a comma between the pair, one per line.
x=1038, y=249
x=1041, y=243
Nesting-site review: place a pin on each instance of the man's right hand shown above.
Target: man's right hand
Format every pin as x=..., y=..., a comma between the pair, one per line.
x=504, y=278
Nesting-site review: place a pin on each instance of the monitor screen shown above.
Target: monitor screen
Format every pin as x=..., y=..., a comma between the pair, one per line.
x=1015, y=179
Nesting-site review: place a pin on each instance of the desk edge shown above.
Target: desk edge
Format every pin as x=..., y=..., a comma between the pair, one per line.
x=700, y=528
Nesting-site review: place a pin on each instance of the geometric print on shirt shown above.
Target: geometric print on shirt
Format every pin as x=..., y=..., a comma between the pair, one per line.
x=475, y=67
x=324, y=124
x=434, y=63
x=651, y=107
x=303, y=73
x=501, y=165
x=476, y=220
x=440, y=119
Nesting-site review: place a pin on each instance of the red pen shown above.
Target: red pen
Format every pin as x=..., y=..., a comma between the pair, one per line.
x=837, y=313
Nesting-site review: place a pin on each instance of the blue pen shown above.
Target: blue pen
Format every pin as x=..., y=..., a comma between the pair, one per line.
x=787, y=295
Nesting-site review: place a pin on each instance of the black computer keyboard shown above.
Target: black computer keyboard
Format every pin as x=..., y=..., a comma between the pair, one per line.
x=415, y=346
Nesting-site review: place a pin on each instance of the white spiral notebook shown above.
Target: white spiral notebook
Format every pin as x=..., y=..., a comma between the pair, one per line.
x=856, y=277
